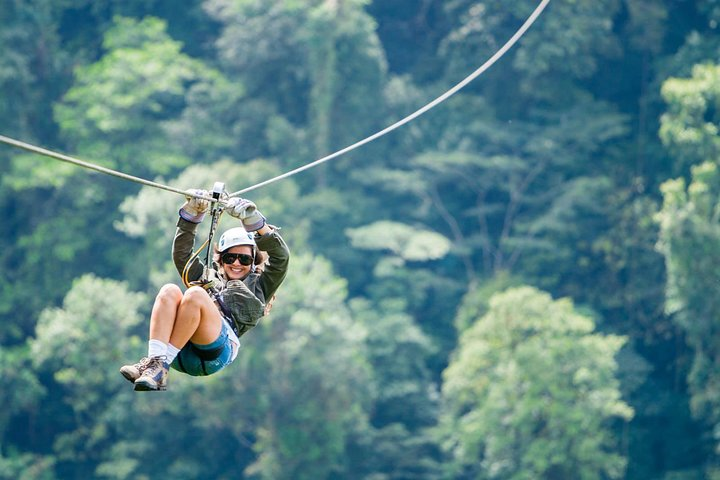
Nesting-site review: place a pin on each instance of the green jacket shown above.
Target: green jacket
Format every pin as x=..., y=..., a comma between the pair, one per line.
x=245, y=299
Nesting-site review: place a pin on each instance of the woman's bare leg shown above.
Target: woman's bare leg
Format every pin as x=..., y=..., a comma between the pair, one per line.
x=198, y=319
x=164, y=312
x=176, y=319
x=162, y=320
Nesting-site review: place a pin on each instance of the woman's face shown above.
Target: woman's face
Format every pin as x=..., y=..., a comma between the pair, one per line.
x=236, y=270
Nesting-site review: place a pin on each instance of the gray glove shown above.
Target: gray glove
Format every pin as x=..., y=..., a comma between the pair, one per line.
x=194, y=209
x=247, y=212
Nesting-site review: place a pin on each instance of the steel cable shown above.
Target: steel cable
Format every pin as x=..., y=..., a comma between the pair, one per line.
x=66, y=158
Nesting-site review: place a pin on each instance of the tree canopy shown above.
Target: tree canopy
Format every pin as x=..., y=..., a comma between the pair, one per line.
x=518, y=284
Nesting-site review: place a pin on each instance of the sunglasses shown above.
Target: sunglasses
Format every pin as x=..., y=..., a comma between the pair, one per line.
x=230, y=258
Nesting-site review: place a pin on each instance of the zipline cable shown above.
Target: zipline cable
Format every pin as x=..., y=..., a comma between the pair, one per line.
x=520, y=32
x=66, y=158
x=91, y=166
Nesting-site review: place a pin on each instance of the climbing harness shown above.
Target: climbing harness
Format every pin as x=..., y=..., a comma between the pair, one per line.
x=518, y=34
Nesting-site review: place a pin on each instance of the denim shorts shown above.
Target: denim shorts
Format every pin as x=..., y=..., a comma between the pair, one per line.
x=200, y=360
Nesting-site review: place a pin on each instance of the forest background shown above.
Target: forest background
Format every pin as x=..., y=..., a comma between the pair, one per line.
x=520, y=284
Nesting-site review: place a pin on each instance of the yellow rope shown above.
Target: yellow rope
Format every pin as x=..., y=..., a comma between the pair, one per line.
x=186, y=269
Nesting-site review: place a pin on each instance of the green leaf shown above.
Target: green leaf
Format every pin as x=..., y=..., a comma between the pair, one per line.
x=409, y=243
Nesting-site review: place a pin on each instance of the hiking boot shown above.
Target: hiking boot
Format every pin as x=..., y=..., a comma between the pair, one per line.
x=133, y=372
x=154, y=376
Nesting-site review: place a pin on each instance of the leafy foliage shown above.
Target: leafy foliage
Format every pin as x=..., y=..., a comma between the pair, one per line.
x=688, y=239
x=142, y=77
x=530, y=392
x=402, y=240
x=690, y=126
x=546, y=171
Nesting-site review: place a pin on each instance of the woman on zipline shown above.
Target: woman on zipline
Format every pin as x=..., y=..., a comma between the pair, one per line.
x=197, y=332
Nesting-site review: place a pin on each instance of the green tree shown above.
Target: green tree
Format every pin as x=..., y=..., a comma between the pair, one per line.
x=566, y=44
x=220, y=121
x=23, y=391
x=689, y=239
x=531, y=392
x=301, y=385
x=81, y=344
x=397, y=443
x=21, y=397
x=689, y=128
x=489, y=186
x=347, y=67
x=27, y=467
x=306, y=421
x=33, y=67
x=115, y=110
x=315, y=62
x=545, y=171
x=70, y=223
x=689, y=229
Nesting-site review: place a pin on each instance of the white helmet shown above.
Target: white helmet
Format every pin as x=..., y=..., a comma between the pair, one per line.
x=234, y=237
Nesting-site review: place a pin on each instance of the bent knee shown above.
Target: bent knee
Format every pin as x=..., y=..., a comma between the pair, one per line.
x=196, y=295
x=170, y=292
